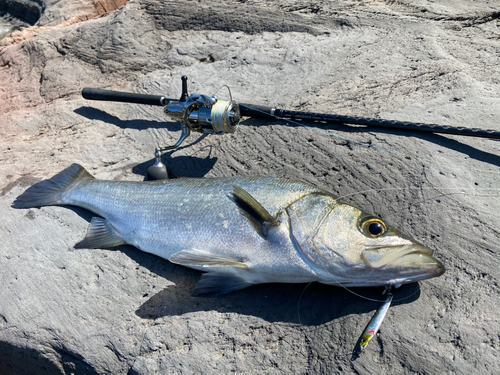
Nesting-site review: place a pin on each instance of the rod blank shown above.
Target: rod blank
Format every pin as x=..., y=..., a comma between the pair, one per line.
x=268, y=112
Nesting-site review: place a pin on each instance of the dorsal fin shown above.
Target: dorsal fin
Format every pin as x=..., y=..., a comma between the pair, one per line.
x=256, y=214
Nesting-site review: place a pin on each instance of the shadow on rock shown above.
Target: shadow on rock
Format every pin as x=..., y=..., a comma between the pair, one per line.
x=22, y=360
x=436, y=138
x=97, y=114
x=181, y=166
x=309, y=305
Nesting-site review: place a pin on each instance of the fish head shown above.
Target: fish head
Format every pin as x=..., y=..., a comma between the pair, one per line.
x=356, y=249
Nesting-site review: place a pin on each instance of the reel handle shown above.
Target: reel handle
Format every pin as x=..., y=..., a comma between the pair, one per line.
x=184, y=95
x=125, y=97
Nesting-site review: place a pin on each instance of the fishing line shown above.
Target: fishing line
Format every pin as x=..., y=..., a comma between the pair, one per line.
x=377, y=300
x=350, y=353
x=221, y=116
x=406, y=155
x=358, y=295
x=298, y=305
x=392, y=189
x=305, y=332
x=228, y=89
x=420, y=188
x=222, y=113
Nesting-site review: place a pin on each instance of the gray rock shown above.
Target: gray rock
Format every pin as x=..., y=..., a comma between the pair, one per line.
x=121, y=310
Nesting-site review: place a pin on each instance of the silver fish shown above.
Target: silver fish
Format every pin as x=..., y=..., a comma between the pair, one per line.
x=241, y=231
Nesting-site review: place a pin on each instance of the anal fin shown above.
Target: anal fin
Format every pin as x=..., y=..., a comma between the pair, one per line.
x=101, y=234
x=213, y=284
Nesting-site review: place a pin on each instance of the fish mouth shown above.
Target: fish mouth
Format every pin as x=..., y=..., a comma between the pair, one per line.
x=411, y=256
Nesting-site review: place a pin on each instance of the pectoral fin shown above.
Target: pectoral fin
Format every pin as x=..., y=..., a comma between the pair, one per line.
x=213, y=284
x=256, y=214
x=101, y=234
x=201, y=258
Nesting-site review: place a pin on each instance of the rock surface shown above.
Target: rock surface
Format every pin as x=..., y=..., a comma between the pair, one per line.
x=123, y=311
x=46, y=14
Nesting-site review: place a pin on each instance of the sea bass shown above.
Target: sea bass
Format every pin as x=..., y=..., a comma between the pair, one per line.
x=241, y=231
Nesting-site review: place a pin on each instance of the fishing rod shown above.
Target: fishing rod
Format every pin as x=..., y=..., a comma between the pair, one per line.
x=210, y=115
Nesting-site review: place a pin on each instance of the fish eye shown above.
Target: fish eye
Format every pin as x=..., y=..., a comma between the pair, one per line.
x=373, y=227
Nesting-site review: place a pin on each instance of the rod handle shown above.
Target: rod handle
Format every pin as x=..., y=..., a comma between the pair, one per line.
x=125, y=97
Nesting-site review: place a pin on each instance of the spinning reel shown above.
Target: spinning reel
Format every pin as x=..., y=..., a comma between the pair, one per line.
x=207, y=114
x=197, y=113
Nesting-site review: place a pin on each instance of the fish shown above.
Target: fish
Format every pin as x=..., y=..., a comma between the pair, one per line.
x=241, y=231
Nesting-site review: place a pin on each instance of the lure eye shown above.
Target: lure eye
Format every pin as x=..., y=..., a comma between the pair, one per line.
x=374, y=227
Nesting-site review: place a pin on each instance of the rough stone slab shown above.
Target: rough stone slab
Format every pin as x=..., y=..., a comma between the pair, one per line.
x=120, y=311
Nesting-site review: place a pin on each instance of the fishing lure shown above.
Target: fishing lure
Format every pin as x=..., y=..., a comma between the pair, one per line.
x=373, y=326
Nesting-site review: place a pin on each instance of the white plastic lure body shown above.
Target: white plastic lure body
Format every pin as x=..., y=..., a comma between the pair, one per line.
x=374, y=325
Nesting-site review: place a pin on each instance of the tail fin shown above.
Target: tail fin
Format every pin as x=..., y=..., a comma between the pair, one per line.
x=48, y=192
